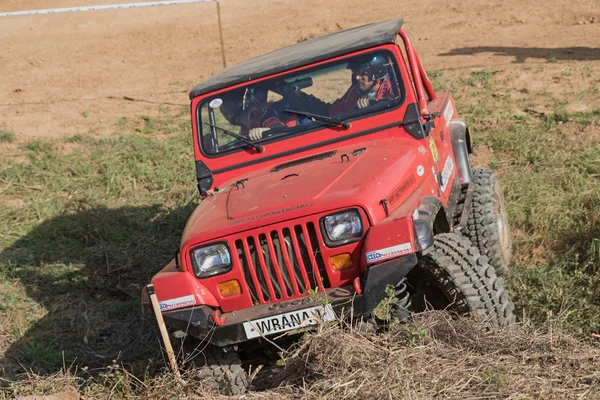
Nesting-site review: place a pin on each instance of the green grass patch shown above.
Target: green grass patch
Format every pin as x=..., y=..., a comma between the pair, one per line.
x=435, y=77
x=167, y=122
x=40, y=146
x=551, y=179
x=40, y=355
x=6, y=136
x=97, y=223
x=79, y=138
x=480, y=78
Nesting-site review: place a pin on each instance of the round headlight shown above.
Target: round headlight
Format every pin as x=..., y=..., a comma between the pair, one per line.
x=211, y=260
x=342, y=227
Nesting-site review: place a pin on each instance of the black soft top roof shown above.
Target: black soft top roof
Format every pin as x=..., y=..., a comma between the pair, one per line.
x=303, y=53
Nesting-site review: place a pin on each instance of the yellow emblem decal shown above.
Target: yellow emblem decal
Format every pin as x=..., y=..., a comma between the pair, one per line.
x=433, y=148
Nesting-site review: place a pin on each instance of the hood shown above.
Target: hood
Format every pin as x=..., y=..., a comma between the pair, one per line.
x=358, y=175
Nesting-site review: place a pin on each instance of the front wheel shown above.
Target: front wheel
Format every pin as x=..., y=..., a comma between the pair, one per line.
x=452, y=275
x=219, y=370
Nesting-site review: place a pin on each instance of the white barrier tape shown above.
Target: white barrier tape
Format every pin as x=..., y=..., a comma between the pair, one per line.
x=97, y=8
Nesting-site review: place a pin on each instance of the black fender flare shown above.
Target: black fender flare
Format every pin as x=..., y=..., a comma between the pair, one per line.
x=429, y=219
x=462, y=147
x=379, y=276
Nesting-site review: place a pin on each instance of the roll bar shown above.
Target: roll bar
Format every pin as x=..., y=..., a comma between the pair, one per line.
x=425, y=92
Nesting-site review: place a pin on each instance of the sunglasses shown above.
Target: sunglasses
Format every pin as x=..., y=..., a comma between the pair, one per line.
x=362, y=72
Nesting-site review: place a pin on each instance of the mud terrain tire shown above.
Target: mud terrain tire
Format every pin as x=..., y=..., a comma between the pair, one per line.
x=224, y=372
x=487, y=226
x=221, y=371
x=453, y=275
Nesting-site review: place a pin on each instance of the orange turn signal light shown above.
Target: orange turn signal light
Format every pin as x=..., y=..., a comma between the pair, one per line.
x=230, y=288
x=341, y=261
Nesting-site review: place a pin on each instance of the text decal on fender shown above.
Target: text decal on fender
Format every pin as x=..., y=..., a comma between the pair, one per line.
x=389, y=252
x=288, y=321
x=446, y=173
x=179, y=302
x=396, y=194
x=448, y=113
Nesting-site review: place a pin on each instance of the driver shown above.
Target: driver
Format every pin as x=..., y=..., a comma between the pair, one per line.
x=370, y=83
x=256, y=116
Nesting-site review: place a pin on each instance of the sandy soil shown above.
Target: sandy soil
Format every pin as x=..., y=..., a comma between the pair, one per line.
x=65, y=74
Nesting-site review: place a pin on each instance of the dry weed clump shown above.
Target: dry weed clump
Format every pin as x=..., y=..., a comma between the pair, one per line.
x=58, y=386
x=439, y=357
x=433, y=357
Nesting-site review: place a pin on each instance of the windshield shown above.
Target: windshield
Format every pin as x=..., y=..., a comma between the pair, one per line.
x=296, y=103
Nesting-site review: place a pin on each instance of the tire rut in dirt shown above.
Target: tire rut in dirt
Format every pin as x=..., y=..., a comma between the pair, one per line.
x=453, y=274
x=487, y=226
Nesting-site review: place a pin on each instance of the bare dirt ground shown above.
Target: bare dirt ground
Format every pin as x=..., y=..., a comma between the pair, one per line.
x=67, y=74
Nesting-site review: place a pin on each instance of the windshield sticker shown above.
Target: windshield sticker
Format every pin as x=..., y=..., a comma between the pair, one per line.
x=389, y=252
x=448, y=113
x=448, y=168
x=179, y=302
x=396, y=194
x=215, y=103
x=270, y=214
x=433, y=148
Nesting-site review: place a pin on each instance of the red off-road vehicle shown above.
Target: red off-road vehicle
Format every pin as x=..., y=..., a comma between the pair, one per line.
x=330, y=172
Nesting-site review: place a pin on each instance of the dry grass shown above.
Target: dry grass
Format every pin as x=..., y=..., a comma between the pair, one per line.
x=438, y=357
x=434, y=356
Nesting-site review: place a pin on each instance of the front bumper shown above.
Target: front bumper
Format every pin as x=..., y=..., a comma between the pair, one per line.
x=199, y=321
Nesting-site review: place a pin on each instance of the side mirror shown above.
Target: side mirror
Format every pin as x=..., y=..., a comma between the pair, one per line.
x=412, y=122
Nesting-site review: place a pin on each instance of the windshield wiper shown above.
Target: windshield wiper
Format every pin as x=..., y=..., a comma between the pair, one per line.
x=255, y=146
x=322, y=118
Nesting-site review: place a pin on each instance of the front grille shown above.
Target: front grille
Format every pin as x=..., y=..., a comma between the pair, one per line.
x=283, y=263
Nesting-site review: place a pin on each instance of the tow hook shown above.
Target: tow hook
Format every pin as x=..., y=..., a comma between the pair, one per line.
x=357, y=287
x=217, y=318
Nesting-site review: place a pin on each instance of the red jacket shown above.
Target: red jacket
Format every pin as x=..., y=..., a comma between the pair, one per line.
x=348, y=100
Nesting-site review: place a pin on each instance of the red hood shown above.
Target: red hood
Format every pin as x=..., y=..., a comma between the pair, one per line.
x=318, y=186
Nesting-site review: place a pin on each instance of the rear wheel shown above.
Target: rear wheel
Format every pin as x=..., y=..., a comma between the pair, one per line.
x=453, y=275
x=487, y=226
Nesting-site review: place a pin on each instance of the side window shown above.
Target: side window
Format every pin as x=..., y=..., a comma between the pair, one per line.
x=394, y=78
x=273, y=97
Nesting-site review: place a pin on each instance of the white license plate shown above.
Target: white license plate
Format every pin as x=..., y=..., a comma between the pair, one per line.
x=288, y=321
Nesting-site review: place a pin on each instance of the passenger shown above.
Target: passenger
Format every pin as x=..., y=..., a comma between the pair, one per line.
x=370, y=83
